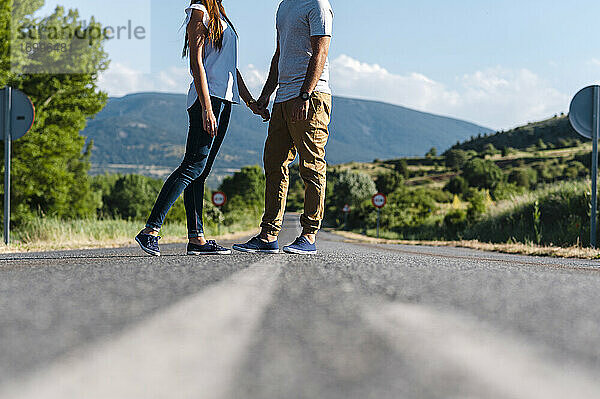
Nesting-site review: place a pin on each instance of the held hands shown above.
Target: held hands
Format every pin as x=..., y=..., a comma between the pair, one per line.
x=209, y=122
x=258, y=110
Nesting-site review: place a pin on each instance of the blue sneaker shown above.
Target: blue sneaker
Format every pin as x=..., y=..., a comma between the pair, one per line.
x=256, y=245
x=210, y=248
x=301, y=247
x=148, y=243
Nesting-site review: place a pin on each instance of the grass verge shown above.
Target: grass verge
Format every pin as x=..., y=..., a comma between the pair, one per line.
x=516, y=248
x=48, y=234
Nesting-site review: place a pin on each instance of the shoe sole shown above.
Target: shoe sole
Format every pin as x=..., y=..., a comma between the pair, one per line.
x=194, y=253
x=146, y=250
x=298, y=251
x=256, y=251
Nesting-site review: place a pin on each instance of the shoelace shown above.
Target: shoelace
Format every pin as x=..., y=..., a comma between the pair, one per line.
x=301, y=240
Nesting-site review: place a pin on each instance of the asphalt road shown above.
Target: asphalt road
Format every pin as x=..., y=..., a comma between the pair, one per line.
x=355, y=321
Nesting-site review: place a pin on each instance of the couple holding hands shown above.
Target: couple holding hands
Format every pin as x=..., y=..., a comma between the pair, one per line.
x=298, y=123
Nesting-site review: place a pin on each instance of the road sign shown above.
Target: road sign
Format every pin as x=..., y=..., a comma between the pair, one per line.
x=346, y=208
x=581, y=112
x=219, y=199
x=379, y=200
x=16, y=119
x=584, y=115
x=22, y=113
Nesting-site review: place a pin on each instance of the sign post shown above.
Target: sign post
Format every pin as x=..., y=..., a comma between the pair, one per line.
x=346, y=209
x=379, y=200
x=16, y=119
x=7, y=143
x=584, y=115
x=219, y=199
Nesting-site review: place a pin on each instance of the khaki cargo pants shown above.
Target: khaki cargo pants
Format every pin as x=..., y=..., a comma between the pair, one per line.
x=285, y=140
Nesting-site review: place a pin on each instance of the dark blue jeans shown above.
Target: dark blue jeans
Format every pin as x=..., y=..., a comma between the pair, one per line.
x=189, y=178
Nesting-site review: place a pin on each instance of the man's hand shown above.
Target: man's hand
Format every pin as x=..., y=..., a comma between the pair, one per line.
x=263, y=101
x=300, y=110
x=258, y=110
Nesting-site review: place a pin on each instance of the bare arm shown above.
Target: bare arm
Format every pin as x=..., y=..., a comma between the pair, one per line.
x=249, y=100
x=272, y=80
x=320, y=48
x=243, y=89
x=197, y=34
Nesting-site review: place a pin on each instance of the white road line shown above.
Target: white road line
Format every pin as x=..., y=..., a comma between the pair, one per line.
x=190, y=350
x=458, y=352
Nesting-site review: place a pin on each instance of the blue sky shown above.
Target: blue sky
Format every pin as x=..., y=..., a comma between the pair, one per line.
x=499, y=63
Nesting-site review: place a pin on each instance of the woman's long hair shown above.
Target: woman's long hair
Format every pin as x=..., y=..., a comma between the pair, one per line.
x=215, y=27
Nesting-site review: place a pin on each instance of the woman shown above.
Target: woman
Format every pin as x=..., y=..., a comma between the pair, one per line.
x=211, y=41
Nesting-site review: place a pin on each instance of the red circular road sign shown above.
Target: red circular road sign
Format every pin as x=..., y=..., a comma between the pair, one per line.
x=346, y=208
x=219, y=198
x=379, y=200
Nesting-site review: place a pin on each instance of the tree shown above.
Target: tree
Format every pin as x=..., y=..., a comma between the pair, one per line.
x=245, y=188
x=132, y=197
x=352, y=188
x=457, y=185
x=50, y=164
x=432, y=152
x=389, y=182
x=455, y=222
x=490, y=150
x=401, y=167
x=541, y=145
x=523, y=177
x=482, y=173
x=478, y=204
x=455, y=159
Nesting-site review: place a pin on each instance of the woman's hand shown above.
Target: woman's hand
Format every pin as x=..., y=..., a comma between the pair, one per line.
x=209, y=122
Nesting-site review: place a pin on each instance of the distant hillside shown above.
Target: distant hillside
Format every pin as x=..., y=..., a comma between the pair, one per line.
x=145, y=133
x=555, y=132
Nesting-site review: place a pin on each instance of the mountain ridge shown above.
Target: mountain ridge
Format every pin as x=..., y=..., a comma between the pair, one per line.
x=145, y=133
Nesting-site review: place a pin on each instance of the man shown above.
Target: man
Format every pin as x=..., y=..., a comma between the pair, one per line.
x=299, y=121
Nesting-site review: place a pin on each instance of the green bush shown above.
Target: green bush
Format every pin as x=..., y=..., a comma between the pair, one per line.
x=389, y=182
x=456, y=159
x=455, y=223
x=523, y=177
x=482, y=173
x=401, y=167
x=490, y=150
x=245, y=188
x=505, y=191
x=574, y=170
x=131, y=197
x=477, y=204
x=351, y=188
x=564, y=212
x=457, y=185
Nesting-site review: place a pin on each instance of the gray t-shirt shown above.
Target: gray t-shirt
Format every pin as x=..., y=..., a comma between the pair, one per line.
x=297, y=21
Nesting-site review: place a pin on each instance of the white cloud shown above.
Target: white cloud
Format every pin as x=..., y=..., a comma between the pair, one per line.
x=595, y=62
x=494, y=97
x=254, y=78
x=353, y=78
x=120, y=80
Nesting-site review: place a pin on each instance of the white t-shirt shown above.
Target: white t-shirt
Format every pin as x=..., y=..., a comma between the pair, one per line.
x=297, y=22
x=220, y=66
